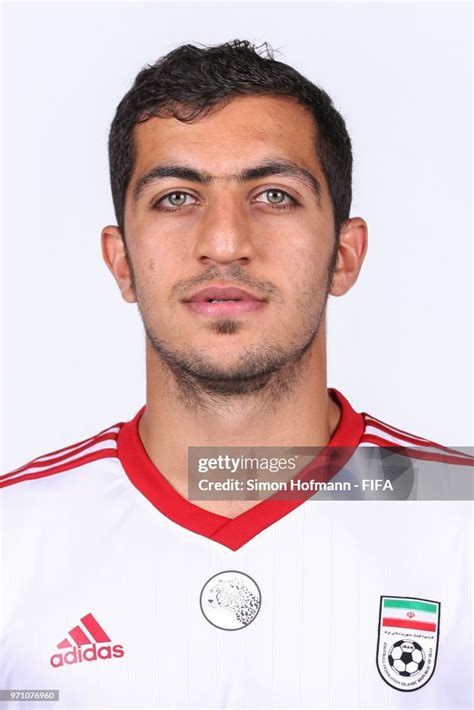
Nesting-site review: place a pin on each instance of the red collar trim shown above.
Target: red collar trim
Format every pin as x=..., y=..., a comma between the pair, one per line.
x=231, y=532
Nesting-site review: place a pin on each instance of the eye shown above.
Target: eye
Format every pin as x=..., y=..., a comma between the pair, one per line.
x=276, y=198
x=174, y=200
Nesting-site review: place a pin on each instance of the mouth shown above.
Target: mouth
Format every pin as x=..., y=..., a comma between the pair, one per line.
x=224, y=301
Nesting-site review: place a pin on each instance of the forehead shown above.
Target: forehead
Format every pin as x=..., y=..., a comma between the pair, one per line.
x=246, y=130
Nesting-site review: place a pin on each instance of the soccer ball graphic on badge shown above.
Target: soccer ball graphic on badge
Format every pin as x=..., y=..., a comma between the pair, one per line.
x=406, y=657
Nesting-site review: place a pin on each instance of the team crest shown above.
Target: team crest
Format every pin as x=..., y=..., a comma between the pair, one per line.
x=408, y=641
x=230, y=600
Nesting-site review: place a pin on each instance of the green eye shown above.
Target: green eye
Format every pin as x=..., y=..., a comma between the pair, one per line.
x=174, y=200
x=276, y=197
x=177, y=199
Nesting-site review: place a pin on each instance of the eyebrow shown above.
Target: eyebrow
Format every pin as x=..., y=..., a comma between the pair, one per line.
x=267, y=169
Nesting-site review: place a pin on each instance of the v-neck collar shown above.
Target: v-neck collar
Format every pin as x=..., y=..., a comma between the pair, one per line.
x=234, y=532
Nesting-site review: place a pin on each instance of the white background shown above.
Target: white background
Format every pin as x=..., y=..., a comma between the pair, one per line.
x=400, y=343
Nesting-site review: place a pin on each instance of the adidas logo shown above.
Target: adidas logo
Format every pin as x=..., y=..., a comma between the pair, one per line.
x=80, y=638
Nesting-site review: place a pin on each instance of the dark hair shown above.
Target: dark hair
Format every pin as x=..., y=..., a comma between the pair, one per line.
x=190, y=80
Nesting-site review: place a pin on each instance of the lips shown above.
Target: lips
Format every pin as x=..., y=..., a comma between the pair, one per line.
x=224, y=301
x=214, y=293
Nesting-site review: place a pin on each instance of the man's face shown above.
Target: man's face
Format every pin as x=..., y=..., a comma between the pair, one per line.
x=230, y=201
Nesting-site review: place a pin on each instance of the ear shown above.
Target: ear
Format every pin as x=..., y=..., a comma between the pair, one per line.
x=115, y=256
x=350, y=255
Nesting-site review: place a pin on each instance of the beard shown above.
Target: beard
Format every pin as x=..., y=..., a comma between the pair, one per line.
x=270, y=369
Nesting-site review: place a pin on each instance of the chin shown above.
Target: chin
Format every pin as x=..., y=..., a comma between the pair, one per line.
x=225, y=345
x=222, y=359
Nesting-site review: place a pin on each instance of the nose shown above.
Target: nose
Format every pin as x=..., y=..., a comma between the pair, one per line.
x=224, y=233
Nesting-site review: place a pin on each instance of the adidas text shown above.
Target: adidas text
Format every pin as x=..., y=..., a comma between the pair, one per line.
x=91, y=653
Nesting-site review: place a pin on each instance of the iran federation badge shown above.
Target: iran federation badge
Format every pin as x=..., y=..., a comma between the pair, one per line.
x=408, y=641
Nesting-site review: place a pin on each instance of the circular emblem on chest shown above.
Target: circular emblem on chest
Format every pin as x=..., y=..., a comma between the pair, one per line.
x=230, y=600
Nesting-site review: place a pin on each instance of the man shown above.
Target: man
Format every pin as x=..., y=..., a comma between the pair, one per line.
x=231, y=180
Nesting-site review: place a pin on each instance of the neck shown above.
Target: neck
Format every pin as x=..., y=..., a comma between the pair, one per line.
x=292, y=409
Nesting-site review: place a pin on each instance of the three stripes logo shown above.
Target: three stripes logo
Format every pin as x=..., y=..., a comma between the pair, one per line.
x=87, y=642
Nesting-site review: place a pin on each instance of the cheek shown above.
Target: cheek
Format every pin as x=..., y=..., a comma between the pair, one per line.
x=299, y=237
x=147, y=269
x=152, y=260
x=159, y=250
x=306, y=263
x=150, y=281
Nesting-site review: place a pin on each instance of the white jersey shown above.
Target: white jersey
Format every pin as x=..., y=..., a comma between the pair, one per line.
x=119, y=592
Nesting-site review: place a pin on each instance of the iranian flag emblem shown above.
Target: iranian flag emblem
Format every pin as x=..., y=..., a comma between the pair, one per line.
x=407, y=643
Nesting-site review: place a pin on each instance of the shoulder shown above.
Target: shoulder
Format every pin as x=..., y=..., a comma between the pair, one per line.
x=380, y=433
x=73, y=457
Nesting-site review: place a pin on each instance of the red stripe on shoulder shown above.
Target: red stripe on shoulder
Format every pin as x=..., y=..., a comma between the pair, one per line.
x=383, y=427
x=49, y=460
x=445, y=454
x=68, y=452
x=76, y=444
x=101, y=454
x=399, y=433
